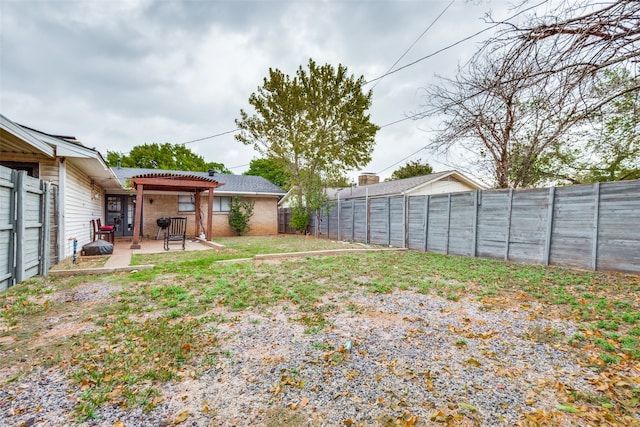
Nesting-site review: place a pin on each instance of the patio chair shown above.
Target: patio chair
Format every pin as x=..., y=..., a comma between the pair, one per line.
x=98, y=234
x=111, y=228
x=176, y=232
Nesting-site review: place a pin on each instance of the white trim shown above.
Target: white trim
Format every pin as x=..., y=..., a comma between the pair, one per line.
x=26, y=136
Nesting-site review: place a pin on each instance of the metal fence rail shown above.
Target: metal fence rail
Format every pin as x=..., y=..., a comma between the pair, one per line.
x=594, y=227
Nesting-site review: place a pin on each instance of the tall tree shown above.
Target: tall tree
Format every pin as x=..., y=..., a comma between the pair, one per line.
x=270, y=169
x=315, y=123
x=513, y=109
x=412, y=168
x=612, y=148
x=164, y=156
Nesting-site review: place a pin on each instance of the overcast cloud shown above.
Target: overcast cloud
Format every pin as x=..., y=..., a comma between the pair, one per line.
x=116, y=74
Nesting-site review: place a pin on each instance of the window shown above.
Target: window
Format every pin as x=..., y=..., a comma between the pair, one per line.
x=221, y=204
x=186, y=204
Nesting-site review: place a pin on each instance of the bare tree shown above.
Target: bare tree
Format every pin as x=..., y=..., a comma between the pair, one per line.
x=515, y=103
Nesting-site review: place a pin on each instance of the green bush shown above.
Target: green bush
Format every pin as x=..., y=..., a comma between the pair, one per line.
x=299, y=219
x=240, y=213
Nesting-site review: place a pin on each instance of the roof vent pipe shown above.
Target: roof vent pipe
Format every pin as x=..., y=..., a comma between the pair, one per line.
x=118, y=163
x=212, y=172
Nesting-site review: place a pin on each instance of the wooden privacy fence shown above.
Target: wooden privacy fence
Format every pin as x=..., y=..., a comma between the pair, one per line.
x=595, y=227
x=24, y=227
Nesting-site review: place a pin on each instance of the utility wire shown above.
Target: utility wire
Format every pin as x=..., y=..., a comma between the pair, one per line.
x=400, y=161
x=207, y=137
x=414, y=43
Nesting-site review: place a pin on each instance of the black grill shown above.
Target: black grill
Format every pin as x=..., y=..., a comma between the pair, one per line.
x=163, y=222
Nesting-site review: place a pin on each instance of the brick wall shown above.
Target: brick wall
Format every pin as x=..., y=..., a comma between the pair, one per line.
x=263, y=222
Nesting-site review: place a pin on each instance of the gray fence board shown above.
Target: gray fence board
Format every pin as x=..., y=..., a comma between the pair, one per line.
x=416, y=222
x=360, y=221
x=397, y=217
x=461, y=224
x=438, y=224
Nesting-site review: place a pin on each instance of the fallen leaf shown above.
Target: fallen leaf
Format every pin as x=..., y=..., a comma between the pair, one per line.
x=467, y=406
x=474, y=362
x=567, y=408
x=181, y=417
x=118, y=424
x=304, y=402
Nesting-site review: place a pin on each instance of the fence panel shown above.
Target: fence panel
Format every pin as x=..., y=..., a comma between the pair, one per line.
x=438, y=232
x=493, y=224
x=24, y=227
x=528, y=226
x=462, y=224
x=574, y=225
x=7, y=226
x=618, y=246
x=332, y=222
x=416, y=232
x=346, y=220
x=396, y=224
x=379, y=221
x=360, y=220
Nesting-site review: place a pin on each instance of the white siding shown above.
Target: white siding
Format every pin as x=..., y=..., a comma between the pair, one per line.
x=80, y=206
x=444, y=186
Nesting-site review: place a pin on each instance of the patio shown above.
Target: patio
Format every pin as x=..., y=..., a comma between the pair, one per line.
x=120, y=260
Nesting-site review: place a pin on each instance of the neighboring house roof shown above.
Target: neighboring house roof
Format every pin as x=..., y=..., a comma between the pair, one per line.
x=230, y=184
x=404, y=186
x=285, y=200
x=88, y=160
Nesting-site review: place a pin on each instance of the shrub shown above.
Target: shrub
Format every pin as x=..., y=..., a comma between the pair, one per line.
x=240, y=213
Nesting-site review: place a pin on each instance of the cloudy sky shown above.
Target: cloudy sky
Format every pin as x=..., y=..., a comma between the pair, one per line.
x=116, y=74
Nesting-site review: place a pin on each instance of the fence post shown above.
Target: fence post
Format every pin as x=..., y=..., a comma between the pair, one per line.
x=368, y=212
x=448, y=222
x=426, y=221
x=353, y=220
x=44, y=239
x=508, y=238
x=20, y=188
x=476, y=202
x=405, y=219
x=547, y=243
x=339, y=209
x=596, y=221
x=388, y=221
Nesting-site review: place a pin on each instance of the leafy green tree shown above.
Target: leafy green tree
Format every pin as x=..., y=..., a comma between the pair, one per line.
x=612, y=148
x=240, y=213
x=411, y=169
x=315, y=123
x=164, y=156
x=270, y=169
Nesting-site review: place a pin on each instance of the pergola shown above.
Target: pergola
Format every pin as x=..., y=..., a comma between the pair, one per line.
x=170, y=182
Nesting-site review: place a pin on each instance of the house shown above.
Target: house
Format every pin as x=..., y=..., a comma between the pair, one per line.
x=78, y=175
x=160, y=203
x=435, y=183
x=84, y=187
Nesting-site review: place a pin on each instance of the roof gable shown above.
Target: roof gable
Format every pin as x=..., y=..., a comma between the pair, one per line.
x=229, y=184
x=404, y=186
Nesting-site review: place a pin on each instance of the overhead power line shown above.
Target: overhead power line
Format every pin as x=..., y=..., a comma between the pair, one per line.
x=207, y=137
x=416, y=41
x=400, y=161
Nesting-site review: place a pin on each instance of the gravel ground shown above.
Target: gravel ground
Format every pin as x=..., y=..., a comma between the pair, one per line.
x=415, y=360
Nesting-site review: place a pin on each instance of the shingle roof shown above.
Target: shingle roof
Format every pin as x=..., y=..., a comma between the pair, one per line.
x=233, y=184
x=398, y=186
